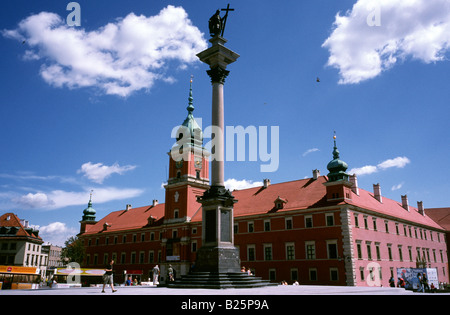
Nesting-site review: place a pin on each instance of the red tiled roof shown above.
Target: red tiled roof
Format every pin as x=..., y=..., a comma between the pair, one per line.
x=133, y=218
x=300, y=194
x=391, y=207
x=310, y=193
x=11, y=220
x=440, y=215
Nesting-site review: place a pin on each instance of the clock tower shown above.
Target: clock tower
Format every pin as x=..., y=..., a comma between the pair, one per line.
x=188, y=170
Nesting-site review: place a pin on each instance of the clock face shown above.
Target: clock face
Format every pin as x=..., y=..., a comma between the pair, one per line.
x=198, y=163
x=179, y=164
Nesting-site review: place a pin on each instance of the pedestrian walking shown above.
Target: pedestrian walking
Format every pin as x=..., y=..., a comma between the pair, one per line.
x=171, y=275
x=391, y=282
x=420, y=287
x=156, y=273
x=426, y=287
x=108, y=276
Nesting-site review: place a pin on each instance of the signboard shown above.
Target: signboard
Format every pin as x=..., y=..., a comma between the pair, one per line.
x=22, y=270
x=79, y=272
x=411, y=279
x=172, y=258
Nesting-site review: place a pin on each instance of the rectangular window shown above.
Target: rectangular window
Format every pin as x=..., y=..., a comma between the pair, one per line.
x=359, y=250
x=268, y=252
x=272, y=275
x=329, y=219
x=389, y=251
x=250, y=227
x=334, y=274
x=151, y=256
x=356, y=220
x=251, y=252
x=308, y=221
x=332, y=249
x=312, y=274
x=369, y=250
x=290, y=251
x=377, y=249
x=294, y=274
x=267, y=225
x=310, y=250
x=288, y=223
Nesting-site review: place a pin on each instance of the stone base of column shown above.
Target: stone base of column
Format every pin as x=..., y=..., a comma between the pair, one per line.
x=218, y=260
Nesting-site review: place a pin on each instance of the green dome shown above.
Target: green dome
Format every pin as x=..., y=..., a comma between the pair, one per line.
x=89, y=212
x=195, y=132
x=337, y=167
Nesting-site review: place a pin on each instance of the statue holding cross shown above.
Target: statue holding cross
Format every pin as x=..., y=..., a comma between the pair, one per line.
x=217, y=23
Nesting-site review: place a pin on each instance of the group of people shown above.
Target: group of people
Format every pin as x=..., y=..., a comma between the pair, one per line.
x=108, y=277
x=423, y=285
x=248, y=271
x=284, y=282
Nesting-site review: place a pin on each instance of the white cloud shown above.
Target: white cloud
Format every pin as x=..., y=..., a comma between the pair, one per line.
x=57, y=199
x=365, y=170
x=119, y=58
x=37, y=200
x=397, y=187
x=310, y=151
x=56, y=233
x=418, y=29
x=234, y=184
x=99, y=172
x=398, y=162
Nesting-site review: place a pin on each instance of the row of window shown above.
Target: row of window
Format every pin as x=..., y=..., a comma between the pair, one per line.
x=313, y=274
x=289, y=251
x=113, y=240
x=423, y=234
x=424, y=257
x=133, y=258
x=288, y=223
x=13, y=246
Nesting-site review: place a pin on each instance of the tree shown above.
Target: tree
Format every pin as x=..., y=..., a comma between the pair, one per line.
x=73, y=251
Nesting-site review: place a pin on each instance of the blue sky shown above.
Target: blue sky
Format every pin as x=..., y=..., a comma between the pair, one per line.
x=92, y=107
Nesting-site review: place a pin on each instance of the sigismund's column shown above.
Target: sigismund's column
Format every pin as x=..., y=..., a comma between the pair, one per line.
x=217, y=253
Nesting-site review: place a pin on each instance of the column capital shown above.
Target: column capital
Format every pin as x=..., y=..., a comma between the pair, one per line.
x=218, y=74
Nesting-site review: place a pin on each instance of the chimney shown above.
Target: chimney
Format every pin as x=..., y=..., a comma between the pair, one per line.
x=128, y=207
x=405, y=202
x=316, y=174
x=155, y=202
x=266, y=182
x=377, y=192
x=354, y=181
x=420, y=208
